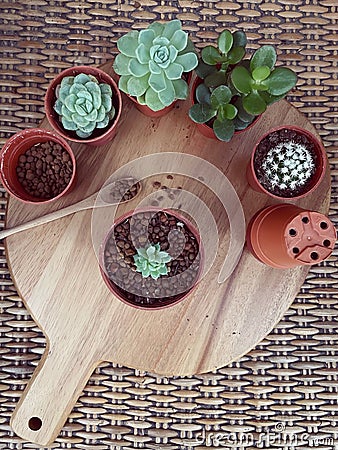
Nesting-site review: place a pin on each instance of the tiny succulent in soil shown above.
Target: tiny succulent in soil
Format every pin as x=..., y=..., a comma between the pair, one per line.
x=152, y=261
x=84, y=104
x=151, y=63
x=253, y=84
x=126, y=258
x=285, y=163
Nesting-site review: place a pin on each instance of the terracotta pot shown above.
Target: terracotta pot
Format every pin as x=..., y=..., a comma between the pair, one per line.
x=284, y=236
x=99, y=136
x=117, y=291
x=18, y=145
x=206, y=129
x=144, y=109
x=316, y=179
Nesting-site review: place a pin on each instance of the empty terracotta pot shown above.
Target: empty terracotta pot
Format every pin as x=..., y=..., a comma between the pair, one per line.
x=100, y=136
x=285, y=235
x=317, y=177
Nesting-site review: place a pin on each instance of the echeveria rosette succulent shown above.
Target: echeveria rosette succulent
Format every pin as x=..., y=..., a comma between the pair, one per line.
x=84, y=104
x=259, y=83
x=151, y=261
x=151, y=63
x=215, y=105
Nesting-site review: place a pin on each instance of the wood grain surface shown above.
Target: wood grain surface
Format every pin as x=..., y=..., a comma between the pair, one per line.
x=55, y=271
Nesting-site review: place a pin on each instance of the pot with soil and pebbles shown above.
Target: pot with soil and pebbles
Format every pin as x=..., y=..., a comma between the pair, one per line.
x=37, y=166
x=83, y=104
x=151, y=258
x=284, y=236
x=288, y=162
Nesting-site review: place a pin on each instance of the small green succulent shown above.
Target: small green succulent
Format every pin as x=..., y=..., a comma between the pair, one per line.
x=84, y=104
x=215, y=105
x=151, y=261
x=259, y=83
x=287, y=166
x=151, y=63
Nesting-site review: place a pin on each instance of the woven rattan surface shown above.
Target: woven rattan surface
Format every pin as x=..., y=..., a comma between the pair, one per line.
x=283, y=394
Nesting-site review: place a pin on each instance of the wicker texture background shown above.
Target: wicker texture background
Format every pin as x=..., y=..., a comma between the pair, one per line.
x=289, y=381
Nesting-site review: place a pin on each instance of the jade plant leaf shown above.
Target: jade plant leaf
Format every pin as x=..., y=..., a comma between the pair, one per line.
x=281, y=81
x=201, y=113
x=240, y=39
x=264, y=56
x=235, y=55
x=241, y=79
x=261, y=73
x=210, y=55
x=203, y=94
x=254, y=104
x=224, y=129
x=220, y=96
x=225, y=41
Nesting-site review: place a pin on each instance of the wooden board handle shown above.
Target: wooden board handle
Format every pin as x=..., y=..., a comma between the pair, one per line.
x=46, y=403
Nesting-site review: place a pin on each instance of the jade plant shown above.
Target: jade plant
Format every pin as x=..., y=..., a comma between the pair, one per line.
x=83, y=104
x=288, y=166
x=152, y=261
x=151, y=63
x=254, y=83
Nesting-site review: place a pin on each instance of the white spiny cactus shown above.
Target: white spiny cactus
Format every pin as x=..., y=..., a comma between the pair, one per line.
x=288, y=165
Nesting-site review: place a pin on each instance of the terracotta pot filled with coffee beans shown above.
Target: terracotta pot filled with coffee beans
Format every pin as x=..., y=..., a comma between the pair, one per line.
x=288, y=162
x=151, y=259
x=37, y=166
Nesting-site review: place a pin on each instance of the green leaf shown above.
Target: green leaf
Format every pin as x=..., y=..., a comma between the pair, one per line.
x=101, y=113
x=89, y=128
x=66, y=113
x=242, y=114
x=81, y=134
x=93, y=88
x=172, y=53
x=235, y=55
x=80, y=120
x=152, y=100
x=81, y=111
x=107, y=102
x=167, y=96
x=67, y=81
x=240, y=124
x=254, y=104
x=261, y=73
x=68, y=124
x=240, y=39
x=171, y=27
x=123, y=83
x=137, y=69
x=142, y=54
x=174, y=71
x=179, y=40
x=281, y=81
x=264, y=56
x=230, y=111
x=105, y=89
x=58, y=106
x=224, y=129
x=161, y=41
x=145, y=39
x=203, y=94
x=220, y=96
x=157, y=82
x=92, y=117
x=128, y=43
x=103, y=123
x=121, y=64
x=86, y=95
x=81, y=78
x=181, y=89
x=225, y=41
x=70, y=102
x=76, y=87
x=137, y=86
x=157, y=27
x=269, y=98
x=188, y=61
x=203, y=69
x=201, y=113
x=63, y=92
x=210, y=55
x=215, y=79
x=241, y=79
x=153, y=67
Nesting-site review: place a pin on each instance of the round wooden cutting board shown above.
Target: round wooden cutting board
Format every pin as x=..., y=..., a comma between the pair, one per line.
x=56, y=273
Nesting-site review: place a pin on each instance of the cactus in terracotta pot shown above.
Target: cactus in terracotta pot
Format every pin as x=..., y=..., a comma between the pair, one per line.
x=151, y=63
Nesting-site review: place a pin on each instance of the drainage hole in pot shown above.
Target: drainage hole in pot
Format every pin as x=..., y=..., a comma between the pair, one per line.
x=314, y=255
x=323, y=225
x=292, y=232
x=327, y=243
x=295, y=250
x=305, y=220
x=35, y=423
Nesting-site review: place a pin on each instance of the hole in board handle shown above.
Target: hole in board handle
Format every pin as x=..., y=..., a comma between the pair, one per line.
x=35, y=423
